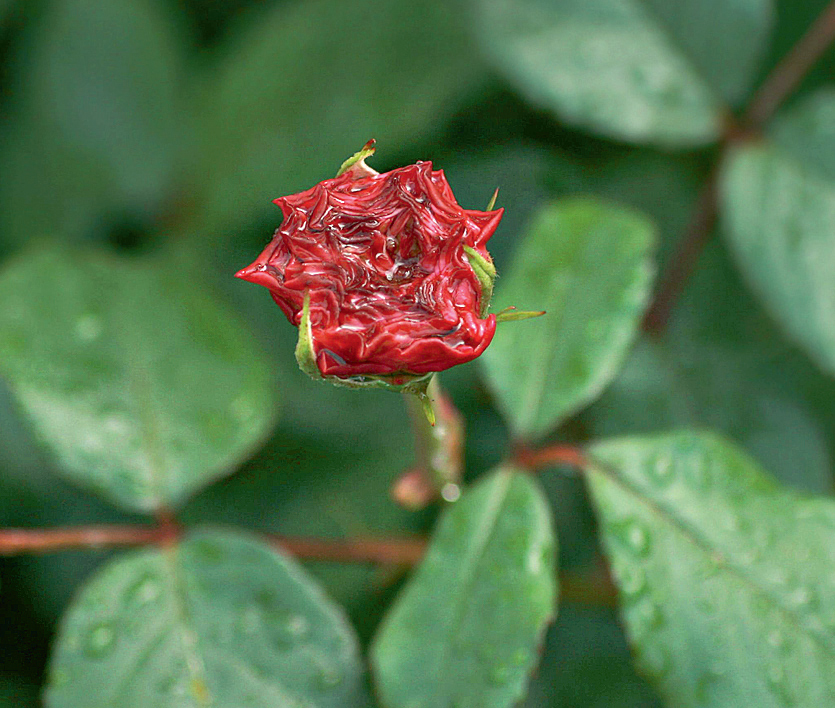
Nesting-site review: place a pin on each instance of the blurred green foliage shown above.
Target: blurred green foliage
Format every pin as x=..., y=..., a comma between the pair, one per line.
x=161, y=130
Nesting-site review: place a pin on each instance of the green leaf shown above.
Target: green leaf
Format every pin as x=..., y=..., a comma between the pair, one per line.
x=217, y=620
x=292, y=93
x=725, y=577
x=672, y=383
x=144, y=386
x=779, y=212
x=465, y=630
x=95, y=130
x=639, y=70
x=587, y=264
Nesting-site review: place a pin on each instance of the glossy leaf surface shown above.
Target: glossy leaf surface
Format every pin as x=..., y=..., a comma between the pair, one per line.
x=639, y=70
x=725, y=577
x=779, y=210
x=143, y=384
x=587, y=264
x=218, y=620
x=466, y=629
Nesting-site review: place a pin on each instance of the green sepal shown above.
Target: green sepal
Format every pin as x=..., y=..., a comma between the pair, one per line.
x=411, y=383
x=305, y=354
x=511, y=314
x=306, y=357
x=357, y=161
x=492, y=201
x=485, y=271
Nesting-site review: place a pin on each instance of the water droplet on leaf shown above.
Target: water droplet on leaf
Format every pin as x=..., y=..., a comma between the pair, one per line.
x=99, y=640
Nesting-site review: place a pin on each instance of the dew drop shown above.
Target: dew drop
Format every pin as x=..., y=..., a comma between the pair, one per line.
x=632, y=580
x=656, y=659
x=88, y=328
x=144, y=591
x=662, y=470
x=638, y=538
x=499, y=675
x=298, y=626
x=328, y=677
x=778, y=684
x=99, y=640
x=801, y=597
x=451, y=492
x=776, y=638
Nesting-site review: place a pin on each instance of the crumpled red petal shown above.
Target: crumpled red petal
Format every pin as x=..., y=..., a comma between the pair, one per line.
x=391, y=289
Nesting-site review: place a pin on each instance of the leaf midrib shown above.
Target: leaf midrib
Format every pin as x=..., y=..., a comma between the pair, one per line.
x=484, y=534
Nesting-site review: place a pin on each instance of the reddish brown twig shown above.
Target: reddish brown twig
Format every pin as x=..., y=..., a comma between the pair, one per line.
x=16, y=541
x=400, y=551
x=549, y=456
x=790, y=71
x=778, y=85
x=589, y=589
x=685, y=258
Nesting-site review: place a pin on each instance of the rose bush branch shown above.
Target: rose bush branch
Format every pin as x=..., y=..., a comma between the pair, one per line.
x=774, y=90
x=593, y=588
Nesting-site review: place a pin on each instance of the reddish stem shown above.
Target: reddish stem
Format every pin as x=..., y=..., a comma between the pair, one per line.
x=791, y=70
x=683, y=262
x=782, y=80
x=549, y=456
x=399, y=551
x=15, y=541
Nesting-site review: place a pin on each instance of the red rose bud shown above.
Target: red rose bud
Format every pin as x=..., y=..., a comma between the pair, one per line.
x=386, y=276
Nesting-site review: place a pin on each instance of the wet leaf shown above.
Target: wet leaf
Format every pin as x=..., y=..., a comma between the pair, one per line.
x=647, y=71
x=144, y=386
x=217, y=620
x=779, y=211
x=724, y=576
x=466, y=628
x=587, y=264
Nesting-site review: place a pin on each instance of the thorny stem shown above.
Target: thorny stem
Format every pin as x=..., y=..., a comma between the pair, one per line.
x=778, y=85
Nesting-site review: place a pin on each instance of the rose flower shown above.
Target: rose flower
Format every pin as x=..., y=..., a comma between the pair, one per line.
x=386, y=276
